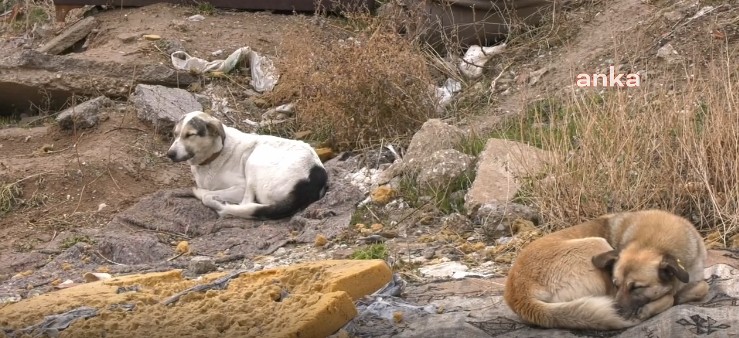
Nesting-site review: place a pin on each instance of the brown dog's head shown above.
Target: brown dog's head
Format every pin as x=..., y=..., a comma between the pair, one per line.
x=640, y=276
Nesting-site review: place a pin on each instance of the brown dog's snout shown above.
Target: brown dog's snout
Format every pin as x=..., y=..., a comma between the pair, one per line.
x=628, y=303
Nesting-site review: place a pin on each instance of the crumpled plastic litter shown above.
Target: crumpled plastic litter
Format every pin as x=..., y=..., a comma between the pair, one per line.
x=445, y=93
x=475, y=59
x=264, y=75
x=51, y=325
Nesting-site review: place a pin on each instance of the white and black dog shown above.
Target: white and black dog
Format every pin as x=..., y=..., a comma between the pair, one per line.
x=247, y=175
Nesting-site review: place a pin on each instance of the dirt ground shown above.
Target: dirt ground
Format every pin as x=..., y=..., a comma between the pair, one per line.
x=72, y=181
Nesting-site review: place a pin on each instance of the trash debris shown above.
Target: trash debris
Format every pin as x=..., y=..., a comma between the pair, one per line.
x=151, y=37
x=51, y=325
x=96, y=276
x=445, y=93
x=196, y=18
x=263, y=73
x=452, y=269
x=476, y=57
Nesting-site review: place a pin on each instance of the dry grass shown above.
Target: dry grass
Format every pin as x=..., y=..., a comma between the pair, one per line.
x=648, y=147
x=9, y=196
x=25, y=15
x=357, y=91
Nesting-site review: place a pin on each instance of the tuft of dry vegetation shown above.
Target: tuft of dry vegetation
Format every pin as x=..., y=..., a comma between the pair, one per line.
x=650, y=147
x=356, y=90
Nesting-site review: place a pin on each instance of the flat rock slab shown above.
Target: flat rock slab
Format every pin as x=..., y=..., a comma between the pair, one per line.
x=474, y=307
x=69, y=36
x=305, y=300
x=163, y=106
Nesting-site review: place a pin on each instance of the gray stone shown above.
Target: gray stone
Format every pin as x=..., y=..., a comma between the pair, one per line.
x=70, y=36
x=442, y=169
x=201, y=265
x=163, y=106
x=83, y=115
x=500, y=167
x=434, y=135
x=128, y=37
x=497, y=219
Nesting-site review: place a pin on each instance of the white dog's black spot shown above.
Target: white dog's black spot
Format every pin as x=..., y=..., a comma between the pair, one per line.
x=305, y=192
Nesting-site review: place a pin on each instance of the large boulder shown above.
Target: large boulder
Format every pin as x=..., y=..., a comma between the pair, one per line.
x=444, y=167
x=163, y=106
x=500, y=168
x=433, y=136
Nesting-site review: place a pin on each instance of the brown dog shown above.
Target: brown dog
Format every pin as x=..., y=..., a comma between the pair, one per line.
x=608, y=273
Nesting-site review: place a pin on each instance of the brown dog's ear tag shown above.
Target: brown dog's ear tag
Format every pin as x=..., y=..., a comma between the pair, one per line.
x=605, y=260
x=669, y=267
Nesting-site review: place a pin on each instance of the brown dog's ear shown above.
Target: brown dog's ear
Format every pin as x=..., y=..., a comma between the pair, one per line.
x=670, y=267
x=605, y=260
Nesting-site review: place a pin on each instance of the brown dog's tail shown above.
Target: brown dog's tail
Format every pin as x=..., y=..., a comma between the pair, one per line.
x=593, y=312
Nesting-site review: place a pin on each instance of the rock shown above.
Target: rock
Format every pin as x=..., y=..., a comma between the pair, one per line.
x=383, y=195
x=325, y=153
x=280, y=252
x=320, y=241
x=9, y=298
x=668, y=53
x=500, y=166
x=673, y=16
x=536, y=75
x=170, y=45
x=444, y=168
x=27, y=75
x=183, y=247
x=70, y=36
x=163, y=106
x=429, y=253
x=83, y=115
x=127, y=37
x=201, y=265
x=434, y=135
x=501, y=219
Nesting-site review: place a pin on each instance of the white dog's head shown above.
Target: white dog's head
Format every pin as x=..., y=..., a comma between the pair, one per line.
x=199, y=138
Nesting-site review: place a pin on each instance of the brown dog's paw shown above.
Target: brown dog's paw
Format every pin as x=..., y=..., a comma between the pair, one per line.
x=692, y=292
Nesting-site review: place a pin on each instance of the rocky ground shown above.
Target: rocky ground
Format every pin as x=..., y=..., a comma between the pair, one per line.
x=85, y=181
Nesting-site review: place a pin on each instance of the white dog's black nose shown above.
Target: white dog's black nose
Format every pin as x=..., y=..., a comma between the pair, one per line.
x=172, y=154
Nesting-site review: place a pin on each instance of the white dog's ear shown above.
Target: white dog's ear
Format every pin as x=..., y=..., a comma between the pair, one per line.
x=215, y=127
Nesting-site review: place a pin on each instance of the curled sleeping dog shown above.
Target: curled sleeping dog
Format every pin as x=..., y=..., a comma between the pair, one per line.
x=247, y=175
x=608, y=273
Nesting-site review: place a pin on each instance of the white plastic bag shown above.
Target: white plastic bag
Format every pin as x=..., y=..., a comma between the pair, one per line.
x=263, y=73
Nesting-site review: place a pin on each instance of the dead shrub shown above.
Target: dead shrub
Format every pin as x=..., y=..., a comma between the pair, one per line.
x=358, y=89
x=641, y=148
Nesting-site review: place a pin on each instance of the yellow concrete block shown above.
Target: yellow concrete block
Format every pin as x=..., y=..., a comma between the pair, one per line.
x=312, y=299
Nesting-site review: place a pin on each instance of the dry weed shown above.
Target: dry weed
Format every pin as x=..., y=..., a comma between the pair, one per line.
x=370, y=86
x=644, y=148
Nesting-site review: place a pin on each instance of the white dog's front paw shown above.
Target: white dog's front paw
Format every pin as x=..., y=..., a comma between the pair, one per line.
x=198, y=192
